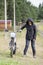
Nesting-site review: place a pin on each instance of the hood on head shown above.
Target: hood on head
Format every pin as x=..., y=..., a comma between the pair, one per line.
x=29, y=20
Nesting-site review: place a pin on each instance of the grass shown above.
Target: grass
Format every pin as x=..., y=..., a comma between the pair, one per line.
x=41, y=27
x=7, y=62
x=19, y=59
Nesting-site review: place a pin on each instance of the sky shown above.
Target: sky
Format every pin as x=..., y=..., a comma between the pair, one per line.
x=36, y=2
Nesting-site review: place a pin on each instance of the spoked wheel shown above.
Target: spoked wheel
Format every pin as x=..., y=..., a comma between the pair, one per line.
x=11, y=52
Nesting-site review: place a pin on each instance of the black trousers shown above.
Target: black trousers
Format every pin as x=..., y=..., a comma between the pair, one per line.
x=32, y=45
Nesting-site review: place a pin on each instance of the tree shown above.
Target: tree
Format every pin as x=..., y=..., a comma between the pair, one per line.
x=1, y=9
x=23, y=10
x=40, y=13
x=20, y=10
x=18, y=13
x=10, y=11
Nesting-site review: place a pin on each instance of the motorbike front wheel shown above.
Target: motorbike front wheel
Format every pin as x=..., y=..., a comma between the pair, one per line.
x=11, y=52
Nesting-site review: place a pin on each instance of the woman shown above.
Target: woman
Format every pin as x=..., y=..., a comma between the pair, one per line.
x=30, y=35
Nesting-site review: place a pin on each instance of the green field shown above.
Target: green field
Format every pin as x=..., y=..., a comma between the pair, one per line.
x=19, y=59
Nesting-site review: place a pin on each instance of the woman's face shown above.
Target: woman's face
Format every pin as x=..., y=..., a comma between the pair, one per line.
x=30, y=23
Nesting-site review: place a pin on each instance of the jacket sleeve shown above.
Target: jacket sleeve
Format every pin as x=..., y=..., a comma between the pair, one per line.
x=35, y=32
x=24, y=26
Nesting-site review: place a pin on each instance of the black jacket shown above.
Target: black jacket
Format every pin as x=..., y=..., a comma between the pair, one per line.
x=31, y=31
